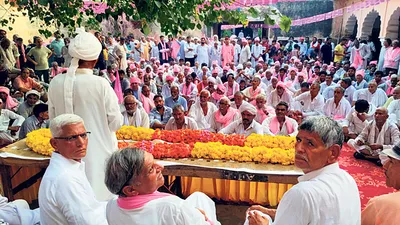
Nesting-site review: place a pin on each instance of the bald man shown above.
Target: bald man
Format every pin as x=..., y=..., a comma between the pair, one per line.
x=203, y=110
x=372, y=94
x=310, y=103
x=379, y=134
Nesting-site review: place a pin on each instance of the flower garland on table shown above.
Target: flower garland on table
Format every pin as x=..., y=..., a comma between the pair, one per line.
x=135, y=133
x=267, y=141
x=216, y=150
x=39, y=141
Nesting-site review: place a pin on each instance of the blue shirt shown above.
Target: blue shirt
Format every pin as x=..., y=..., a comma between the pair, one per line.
x=30, y=124
x=57, y=46
x=155, y=116
x=171, y=103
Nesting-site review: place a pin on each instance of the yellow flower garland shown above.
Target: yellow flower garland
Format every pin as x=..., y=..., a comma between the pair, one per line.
x=216, y=150
x=39, y=141
x=267, y=141
x=135, y=133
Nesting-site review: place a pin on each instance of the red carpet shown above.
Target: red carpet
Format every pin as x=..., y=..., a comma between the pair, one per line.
x=370, y=178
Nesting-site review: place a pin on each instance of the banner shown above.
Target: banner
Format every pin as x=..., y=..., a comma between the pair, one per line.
x=317, y=18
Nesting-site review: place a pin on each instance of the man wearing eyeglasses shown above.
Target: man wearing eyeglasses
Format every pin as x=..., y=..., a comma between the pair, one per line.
x=65, y=194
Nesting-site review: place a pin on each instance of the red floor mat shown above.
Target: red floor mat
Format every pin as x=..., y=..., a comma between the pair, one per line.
x=370, y=178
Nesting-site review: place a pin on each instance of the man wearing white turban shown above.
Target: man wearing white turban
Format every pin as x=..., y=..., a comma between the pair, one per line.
x=247, y=125
x=92, y=98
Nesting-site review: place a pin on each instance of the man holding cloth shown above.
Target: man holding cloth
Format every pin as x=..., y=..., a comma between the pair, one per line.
x=93, y=99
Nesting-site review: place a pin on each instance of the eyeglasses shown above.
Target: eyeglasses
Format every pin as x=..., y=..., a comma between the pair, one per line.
x=74, y=137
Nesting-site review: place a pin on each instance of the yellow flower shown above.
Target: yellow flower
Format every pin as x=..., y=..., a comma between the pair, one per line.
x=135, y=133
x=39, y=141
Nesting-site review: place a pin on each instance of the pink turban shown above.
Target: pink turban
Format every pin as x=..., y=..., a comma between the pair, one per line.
x=215, y=62
x=260, y=60
x=281, y=84
x=353, y=65
x=142, y=60
x=176, y=69
x=373, y=62
x=160, y=71
x=135, y=80
x=157, y=61
x=169, y=78
x=132, y=66
x=297, y=61
x=301, y=74
x=257, y=39
x=10, y=103
x=226, y=68
x=317, y=63
x=277, y=63
x=187, y=68
x=221, y=87
x=215, y=71
x=360, y=72
x=292, y=69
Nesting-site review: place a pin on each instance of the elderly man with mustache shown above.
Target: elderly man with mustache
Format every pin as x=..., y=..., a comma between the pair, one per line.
x=325, y=193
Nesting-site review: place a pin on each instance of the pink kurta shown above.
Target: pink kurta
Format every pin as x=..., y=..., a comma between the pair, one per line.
x=227, y=53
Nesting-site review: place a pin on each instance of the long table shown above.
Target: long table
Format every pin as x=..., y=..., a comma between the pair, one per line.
x=18, y=155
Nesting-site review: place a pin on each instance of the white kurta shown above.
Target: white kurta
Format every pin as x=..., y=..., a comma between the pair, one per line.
x=238, y=128
x=274, y=98
x=165, y=211
x=203, y=55
x=310, y=107
x=256, y=50
x=18, y=212
x=120, y=51
x=216, y=127
x=325, y=196
x=139, y=118
x=237, y=52
x=245, y=54
x=203, y=121
x=96, y=103
x=378, y=98
x=339, y=112
x=66, y=197
x=394, y=111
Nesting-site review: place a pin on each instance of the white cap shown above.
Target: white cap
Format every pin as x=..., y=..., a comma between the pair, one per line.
x=392, y=152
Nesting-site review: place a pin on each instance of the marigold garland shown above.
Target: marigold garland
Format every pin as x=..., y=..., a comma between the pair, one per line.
x=216, y=150
x=135, y=133
x=191, y=143
x=267, y=141
x=39, y=141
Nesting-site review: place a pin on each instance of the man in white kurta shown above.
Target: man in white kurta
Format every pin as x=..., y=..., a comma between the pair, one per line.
x=134, y=114
x=325, y=194
x=245, y=53
x=120, y=50
x=237, y=49
x=281, y=124
x=17, y=212
x=337, y=107
x=311, y=102
x=92, y=98
x=394, y=111
x=247, y=125
x=372, y=94
x=202, y=52
x=65, y=195
x=202, y=111
x=256, y=51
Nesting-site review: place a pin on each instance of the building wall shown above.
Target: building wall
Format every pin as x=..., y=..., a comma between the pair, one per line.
x=388, y=11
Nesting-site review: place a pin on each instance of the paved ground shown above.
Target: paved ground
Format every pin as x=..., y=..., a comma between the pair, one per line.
x=231, y=214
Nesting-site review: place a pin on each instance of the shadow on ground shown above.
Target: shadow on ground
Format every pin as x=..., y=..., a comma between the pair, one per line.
x=231, y=214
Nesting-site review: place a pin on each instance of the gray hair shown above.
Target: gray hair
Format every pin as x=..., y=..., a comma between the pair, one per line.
x=123, y=167
x=57, y=124
x=205, y=91
x=329, y=130
x=131, y=96
x=178, y=107
x=225, y=99
x=341, y=89
x=261, y=96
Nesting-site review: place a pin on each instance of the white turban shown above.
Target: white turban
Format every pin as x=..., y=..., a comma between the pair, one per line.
x=212, y=80
x=32, y=92
x=84, y=46
x=248, y=107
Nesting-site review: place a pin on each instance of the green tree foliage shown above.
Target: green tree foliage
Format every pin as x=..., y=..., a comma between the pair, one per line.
x=174, y=16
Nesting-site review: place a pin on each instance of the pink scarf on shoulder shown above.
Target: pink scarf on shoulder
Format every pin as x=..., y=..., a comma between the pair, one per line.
x=227, y=119
x=187, y=90
x=274, y=126
x=147, y=103
x=139, y=201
